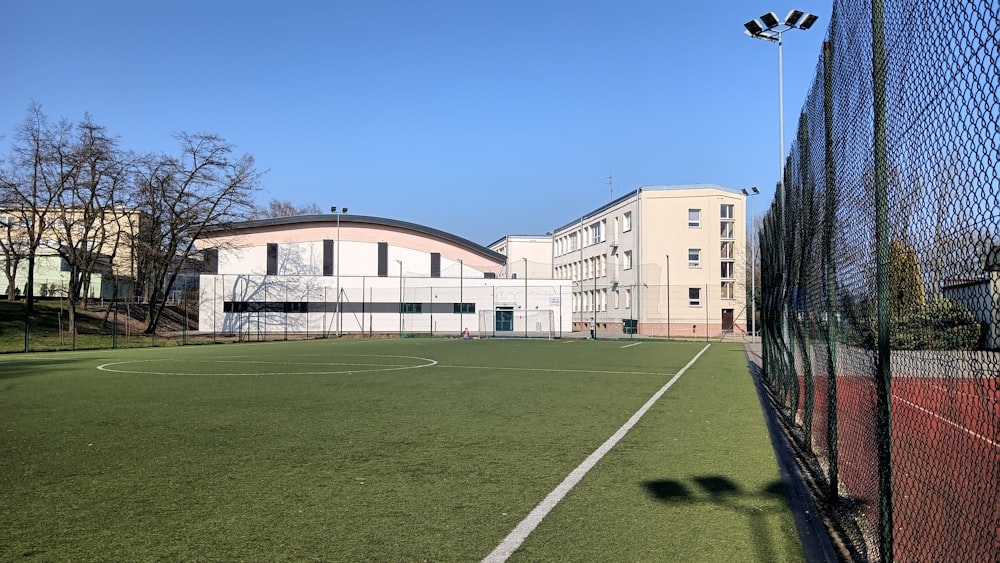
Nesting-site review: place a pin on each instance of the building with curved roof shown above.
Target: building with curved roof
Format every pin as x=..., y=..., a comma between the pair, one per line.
x=361, y=274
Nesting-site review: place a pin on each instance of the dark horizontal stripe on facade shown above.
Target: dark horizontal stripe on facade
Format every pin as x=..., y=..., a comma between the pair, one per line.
x=346, y=307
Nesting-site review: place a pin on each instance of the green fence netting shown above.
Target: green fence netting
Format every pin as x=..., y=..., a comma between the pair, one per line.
x=880, y=267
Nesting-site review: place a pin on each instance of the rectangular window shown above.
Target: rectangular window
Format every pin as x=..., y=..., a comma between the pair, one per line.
x=211, y=261
x=694, y=258
x=727, y=230
x=383, y=259
x=727, y=250
x=628, y=298
x=727, y=289
x=296, y=307
x=412, y=307
x=726, y=211
x=573, y=239
x=727, y=270
x=272, y=258
x=627, y=260
x=627, y=222
x=617, y=297
x=595, y=233
x=694, y=218
x=465, y=308
x=694, y=296
x=327, y=257
x=435, y=264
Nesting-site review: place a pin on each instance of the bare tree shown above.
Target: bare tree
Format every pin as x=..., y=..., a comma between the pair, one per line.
x=32, y=187
x=276, y=208
x=183, y=195
x=84, y=226
x=13, y=247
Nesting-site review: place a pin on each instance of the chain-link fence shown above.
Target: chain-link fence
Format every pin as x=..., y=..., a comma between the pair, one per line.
x=881, y=275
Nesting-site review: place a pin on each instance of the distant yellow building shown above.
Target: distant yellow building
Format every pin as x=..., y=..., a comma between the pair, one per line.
x=111, y=235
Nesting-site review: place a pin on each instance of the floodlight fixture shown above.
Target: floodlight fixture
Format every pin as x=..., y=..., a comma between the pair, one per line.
x=744, y=190
x=808, y=21
x=793, y=17
x=753, y=27
x=796, y=19
x=755, y=190
x=770, y=20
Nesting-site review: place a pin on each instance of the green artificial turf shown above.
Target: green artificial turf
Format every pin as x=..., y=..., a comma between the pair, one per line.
x=383, y=450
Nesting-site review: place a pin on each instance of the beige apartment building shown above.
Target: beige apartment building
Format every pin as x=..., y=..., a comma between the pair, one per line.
x=110, y=237
x=528, y=256
x=666, y=260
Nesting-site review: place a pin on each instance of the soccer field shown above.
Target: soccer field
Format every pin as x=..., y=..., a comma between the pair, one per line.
x=389, y=450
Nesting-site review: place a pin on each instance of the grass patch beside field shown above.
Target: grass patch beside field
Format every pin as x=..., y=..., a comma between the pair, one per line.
x=388, y=450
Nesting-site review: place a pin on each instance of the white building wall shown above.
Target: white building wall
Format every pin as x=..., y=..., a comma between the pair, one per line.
x=232, y=303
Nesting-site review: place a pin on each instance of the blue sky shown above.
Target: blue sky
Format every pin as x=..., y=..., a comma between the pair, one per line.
x=478, y=117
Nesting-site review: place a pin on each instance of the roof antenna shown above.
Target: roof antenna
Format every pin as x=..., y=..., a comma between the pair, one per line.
x=611, y=186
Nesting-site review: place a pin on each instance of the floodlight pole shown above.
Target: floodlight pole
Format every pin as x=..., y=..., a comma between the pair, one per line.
x=753, y=266
x=400, y=262
x=525, y=297
x=337, y=211
x=773, y=30
x=461, y=300
x=668, y=296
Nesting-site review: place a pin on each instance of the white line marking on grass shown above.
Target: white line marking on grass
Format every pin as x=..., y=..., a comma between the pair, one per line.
x=993, y=443
x=352, y=367
x=514, y=540
x=559, y=370
x=631, y=345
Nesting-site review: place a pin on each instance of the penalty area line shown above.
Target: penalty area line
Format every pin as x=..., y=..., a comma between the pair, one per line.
x=631, y=345
x=513, y=541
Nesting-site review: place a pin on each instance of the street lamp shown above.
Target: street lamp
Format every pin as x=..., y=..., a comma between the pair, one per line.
x=753, y=266
x=337, y=212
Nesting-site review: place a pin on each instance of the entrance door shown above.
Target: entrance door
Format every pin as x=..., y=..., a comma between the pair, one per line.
x=505, y=319
x=727, y=320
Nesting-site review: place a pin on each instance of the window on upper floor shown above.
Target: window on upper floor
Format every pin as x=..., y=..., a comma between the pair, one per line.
x=726, y=211
x=627, y=222
x=727, y=230
x=694, y=258
x=727, y=270
x=726, y=249
x=627, y=260
x=694, y=218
